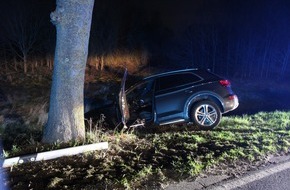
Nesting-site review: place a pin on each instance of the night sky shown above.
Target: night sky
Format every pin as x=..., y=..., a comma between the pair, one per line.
x=231, y=37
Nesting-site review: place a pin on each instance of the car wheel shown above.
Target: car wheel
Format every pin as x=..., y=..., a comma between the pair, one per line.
x=206, y=115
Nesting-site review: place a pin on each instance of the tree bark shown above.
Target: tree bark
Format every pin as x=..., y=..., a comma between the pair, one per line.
x=72, y=19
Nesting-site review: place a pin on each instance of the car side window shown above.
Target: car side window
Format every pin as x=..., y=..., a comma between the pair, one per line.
x=141, y=90
x=171, y=81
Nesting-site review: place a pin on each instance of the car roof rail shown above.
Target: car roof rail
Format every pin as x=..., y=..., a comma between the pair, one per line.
x=170, y=72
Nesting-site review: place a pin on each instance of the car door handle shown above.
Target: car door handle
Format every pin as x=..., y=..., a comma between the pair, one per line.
x=188, y=91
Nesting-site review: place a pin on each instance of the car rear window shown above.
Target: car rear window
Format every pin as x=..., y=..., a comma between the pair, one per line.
x=171, y=81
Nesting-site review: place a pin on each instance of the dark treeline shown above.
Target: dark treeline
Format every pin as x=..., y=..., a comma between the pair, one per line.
x=246, y=39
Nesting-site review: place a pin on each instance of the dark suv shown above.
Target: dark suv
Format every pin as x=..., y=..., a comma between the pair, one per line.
x=183, y=96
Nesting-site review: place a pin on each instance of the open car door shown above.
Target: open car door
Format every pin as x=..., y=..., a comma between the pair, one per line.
x=123, y=101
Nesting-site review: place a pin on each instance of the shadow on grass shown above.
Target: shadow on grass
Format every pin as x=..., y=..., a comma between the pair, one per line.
x=19, y=136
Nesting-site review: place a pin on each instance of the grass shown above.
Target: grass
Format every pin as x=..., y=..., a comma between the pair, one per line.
x=141, y=159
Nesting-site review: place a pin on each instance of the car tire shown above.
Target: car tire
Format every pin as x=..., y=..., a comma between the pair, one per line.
x=206, y=115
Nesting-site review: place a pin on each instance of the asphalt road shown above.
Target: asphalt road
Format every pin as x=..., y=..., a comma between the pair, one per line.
x=276, y=177
x=277, y=181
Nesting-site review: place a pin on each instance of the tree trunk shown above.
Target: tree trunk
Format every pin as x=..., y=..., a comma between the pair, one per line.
x=102, y=63
x=25, y=63
x=66, y=111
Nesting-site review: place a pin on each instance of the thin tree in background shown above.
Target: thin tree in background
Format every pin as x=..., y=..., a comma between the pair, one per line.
x=104, y=33
x=22, y=33
x=72, y=19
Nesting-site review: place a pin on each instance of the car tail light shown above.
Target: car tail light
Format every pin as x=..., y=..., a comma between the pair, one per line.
x=232, y=97
x=225, y=83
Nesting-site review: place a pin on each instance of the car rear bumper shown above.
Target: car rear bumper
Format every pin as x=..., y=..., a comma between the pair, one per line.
x=231, y=103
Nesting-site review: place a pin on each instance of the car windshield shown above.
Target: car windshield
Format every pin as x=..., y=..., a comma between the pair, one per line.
x=139, y=90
